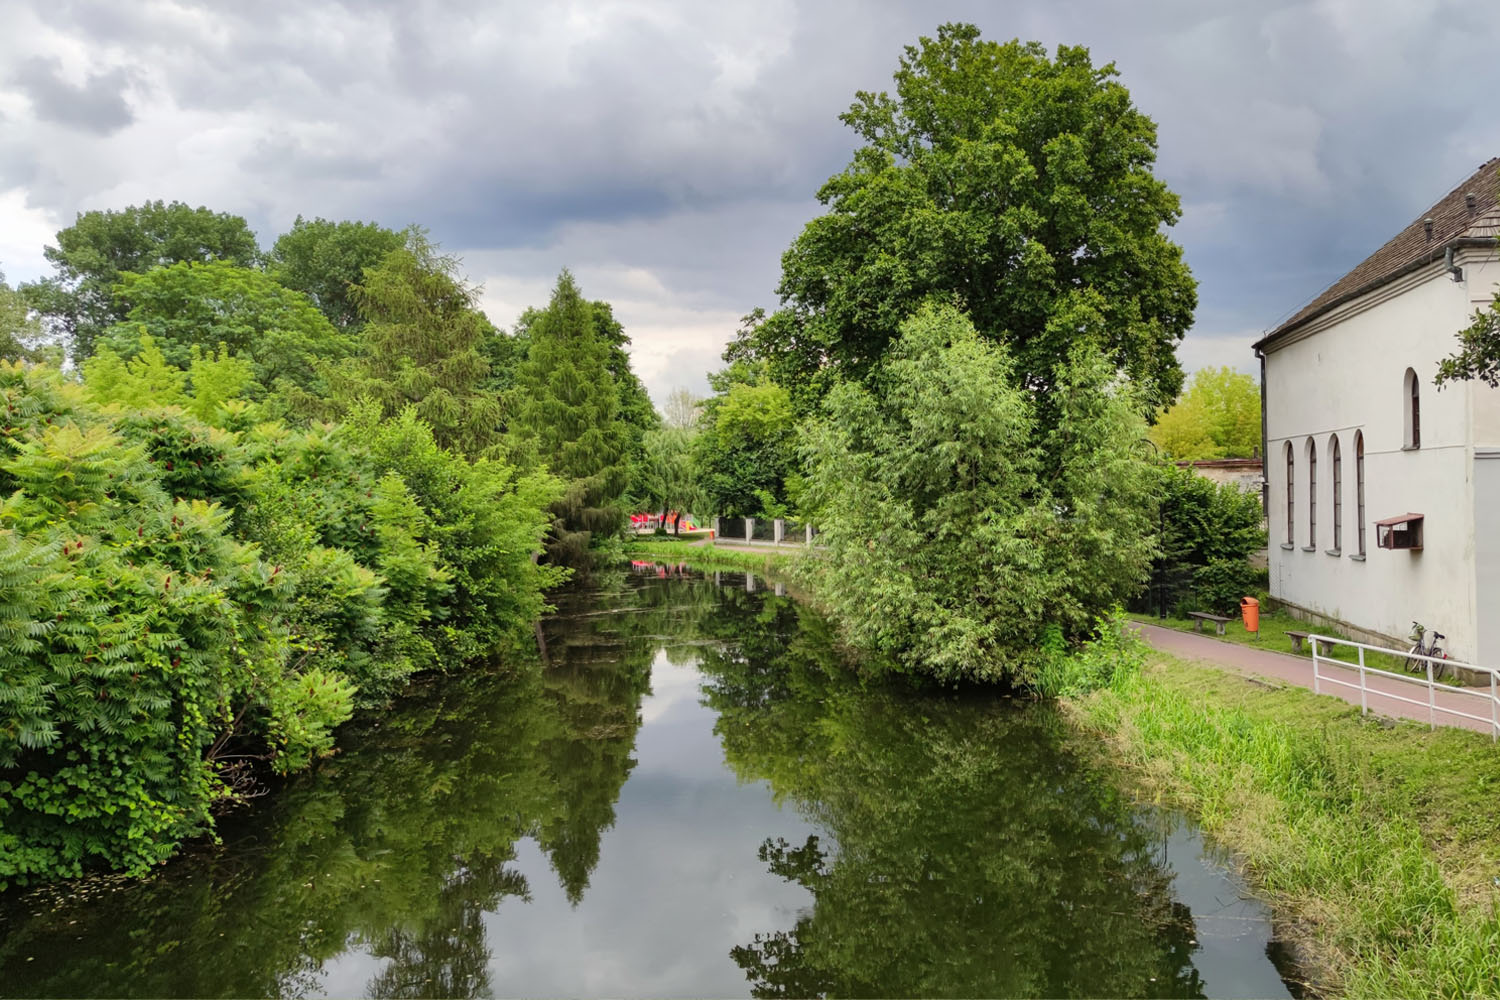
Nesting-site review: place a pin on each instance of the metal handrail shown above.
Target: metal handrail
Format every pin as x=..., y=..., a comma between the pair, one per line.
x=1431, y=683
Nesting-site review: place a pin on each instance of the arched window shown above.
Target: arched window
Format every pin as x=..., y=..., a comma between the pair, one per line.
x=1359, y=488
x=1336, y=461
x=1291, y=497
x=1312, y=494
x=1413, y=394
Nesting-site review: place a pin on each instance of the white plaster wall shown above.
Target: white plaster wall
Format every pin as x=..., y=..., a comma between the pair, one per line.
x=1348, y=378
x=1482, y=274
x=1487, y=555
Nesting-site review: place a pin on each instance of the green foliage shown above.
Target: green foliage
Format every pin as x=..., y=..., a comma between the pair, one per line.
x=423, y=348
x=1217, y=417
x=747, y=451
x=958, y=526
x=1205, y=524
x=1115, y=651
x=188, y=306
x=1012, y=184
x=488, y=521
x=78, y=302
x=140, y=631
x=636, y=411
x=176, y=596
x=146, y=379
x=567, y=417
x=667, y=474
x=325, y=260
x=20, y=331
x=304, y=711
x=1219, y=585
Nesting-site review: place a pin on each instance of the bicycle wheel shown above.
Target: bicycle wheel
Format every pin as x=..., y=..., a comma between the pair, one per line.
x=1414, y=665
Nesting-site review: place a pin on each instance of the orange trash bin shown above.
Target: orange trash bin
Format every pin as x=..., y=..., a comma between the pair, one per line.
x=1250, y=613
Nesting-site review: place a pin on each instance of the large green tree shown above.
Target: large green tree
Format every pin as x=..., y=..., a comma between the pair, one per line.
x=566, y=415
x=961, y=519
x=189, y=305
x=746, y=453
x=78, y=302
x=423, y=338
x=635, y=407
x=1014, y=184
x=1217, y=416
x=327, y=259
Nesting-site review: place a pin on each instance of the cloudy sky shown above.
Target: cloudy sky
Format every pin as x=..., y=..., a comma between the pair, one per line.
x=668, y=152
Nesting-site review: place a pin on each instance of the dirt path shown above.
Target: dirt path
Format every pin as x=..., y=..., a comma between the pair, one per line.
x=1298, y=670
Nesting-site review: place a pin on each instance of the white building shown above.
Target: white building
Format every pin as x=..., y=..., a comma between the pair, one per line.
x=1356, y=434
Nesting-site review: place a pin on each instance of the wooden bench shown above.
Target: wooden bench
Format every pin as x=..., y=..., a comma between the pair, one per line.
x=1204, y=616
x=1297, y=638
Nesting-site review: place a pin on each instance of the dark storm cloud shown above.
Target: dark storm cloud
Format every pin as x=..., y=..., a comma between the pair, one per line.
x=96, y=105
x=687, y=141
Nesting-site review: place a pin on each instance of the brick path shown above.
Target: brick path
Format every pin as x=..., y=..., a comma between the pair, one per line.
x=1299, y=670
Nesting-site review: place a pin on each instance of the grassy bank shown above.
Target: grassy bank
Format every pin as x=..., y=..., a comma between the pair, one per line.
x=1375, y=842
x=711, y=556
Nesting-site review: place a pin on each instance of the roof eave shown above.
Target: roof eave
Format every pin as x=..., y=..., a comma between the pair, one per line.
x=1365, y=289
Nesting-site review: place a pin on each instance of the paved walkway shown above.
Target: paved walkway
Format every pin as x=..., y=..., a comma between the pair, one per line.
x=1299, y=670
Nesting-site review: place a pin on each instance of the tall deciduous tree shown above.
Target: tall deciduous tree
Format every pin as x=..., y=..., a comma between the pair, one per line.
x=1015, y=185
x=423, y=337
x=78, y=303
x=1218, y=416
x=746, y=453
x=327, y=259
x=201, y=305
x=567, y=416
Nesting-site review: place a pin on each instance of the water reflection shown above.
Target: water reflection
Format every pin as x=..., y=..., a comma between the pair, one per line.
x=605, y=822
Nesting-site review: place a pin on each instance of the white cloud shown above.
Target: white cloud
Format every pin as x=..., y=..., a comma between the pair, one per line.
x=669, y=151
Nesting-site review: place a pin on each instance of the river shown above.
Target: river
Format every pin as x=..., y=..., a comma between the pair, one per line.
x=687, y=796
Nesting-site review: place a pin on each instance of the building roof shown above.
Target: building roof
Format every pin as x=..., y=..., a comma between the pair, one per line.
x=1455, y=222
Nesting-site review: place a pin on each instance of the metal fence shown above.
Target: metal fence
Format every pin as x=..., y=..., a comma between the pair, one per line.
x=733, y=528
x=1484, y=698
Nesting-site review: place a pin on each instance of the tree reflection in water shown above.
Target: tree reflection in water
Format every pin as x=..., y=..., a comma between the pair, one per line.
x=963, y=848
x=967, y=850
x=398, y=846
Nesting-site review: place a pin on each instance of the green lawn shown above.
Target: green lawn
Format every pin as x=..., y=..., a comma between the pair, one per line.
x=1272, y=635
x=767, y=560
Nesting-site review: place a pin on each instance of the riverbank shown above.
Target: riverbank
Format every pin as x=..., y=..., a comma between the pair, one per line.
x=1374, y=841
x=711, y=555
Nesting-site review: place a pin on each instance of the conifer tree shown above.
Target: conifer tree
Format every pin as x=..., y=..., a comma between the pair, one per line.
x=567, y=416
x=423, y=338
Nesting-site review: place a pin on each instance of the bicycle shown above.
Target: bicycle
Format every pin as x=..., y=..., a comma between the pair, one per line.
x=1424, y=643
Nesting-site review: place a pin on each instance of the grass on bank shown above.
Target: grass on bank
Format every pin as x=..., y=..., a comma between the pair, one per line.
x=1273, y=636
x=1375, y=842
x=711, y=556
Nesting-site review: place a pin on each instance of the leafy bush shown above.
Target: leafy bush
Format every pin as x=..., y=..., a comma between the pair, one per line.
x=1205, y=524
x=1218, y=587
x=958, y=524
x=1115, y=650
x=174, y=594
